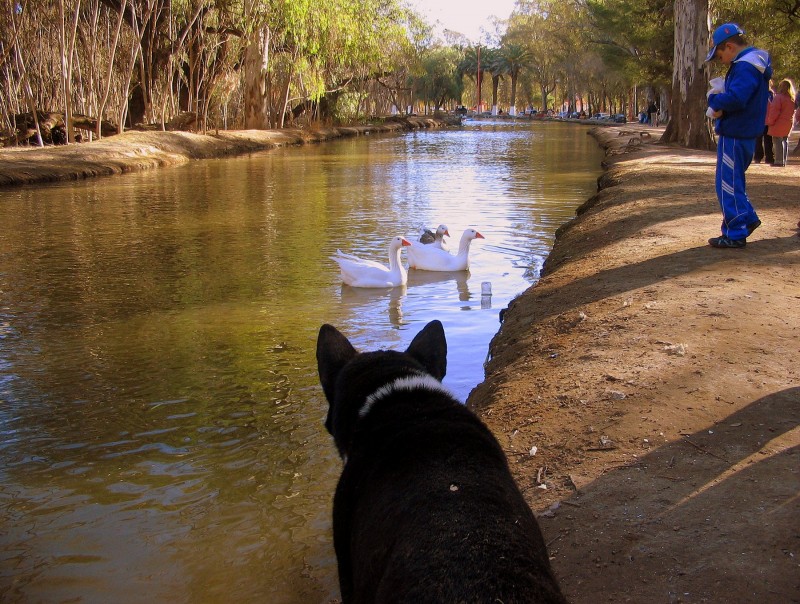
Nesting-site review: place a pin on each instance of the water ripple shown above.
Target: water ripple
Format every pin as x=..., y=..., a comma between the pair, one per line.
x=161, y=425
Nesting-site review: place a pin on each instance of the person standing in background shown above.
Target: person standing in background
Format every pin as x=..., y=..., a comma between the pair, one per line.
x=780, y=118
x=764, y=141
x=739, y=116
x=652, y=114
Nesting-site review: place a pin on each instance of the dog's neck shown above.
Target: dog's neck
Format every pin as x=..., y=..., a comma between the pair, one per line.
x=418, y=381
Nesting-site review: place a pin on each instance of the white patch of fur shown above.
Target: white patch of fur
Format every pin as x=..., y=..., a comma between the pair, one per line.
x=409, y=383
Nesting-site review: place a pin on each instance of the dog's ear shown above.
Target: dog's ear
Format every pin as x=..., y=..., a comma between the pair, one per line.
x=334, y=351
x=429, y=347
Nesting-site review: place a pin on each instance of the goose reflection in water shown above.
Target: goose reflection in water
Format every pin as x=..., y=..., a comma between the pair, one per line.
x=369, y=298
x=421, y=278
x=422, y=291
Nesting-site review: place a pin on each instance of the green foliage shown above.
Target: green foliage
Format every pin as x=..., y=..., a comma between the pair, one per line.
x=513, y=58
x=440, y=80
x=773, y=25
x=357, y=53
x=634, y=37
x=544, y=32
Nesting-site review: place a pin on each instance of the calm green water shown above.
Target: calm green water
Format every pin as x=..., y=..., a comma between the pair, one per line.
x=161, y=432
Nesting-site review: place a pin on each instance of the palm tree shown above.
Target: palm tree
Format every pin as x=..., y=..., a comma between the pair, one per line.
x=473, y=60
x=498, y=68
x=513, y=58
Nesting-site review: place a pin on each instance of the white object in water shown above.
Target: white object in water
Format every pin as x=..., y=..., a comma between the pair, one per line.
x=430, y=258
x=358, y=272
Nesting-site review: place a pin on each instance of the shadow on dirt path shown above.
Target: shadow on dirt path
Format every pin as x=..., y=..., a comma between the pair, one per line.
x=722, y=496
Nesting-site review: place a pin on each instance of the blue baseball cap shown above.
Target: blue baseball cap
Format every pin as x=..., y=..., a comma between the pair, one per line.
x=722, y=33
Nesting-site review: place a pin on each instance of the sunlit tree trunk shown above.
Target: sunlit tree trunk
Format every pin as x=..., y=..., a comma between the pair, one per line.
x=113, y=49
x=495, y=85
x=688, y=125
x=256, y=65
x=23, y=74
x=512, y=110
x=285, y=96
x=128, y=75
x=479, y=90
x=67, y=54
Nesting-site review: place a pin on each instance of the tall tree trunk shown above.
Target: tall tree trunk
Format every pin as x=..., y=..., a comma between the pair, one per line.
x=256, y=65
x=24, y=78
x=128, y=76
x=285, y=100
x=67, y=53
x=478, y=86
x=688, y=125
x=102, y=107
x=512, y=111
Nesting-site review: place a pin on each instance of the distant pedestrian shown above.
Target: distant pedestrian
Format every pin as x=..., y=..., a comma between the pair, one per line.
x=764, y=140
x=652, y=114
x=779, y=121
x=740, y=114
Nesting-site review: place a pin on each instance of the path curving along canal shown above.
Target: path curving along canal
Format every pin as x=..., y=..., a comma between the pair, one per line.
x=161, y=433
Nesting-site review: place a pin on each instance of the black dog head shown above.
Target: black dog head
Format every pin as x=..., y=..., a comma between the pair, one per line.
x=348, y=377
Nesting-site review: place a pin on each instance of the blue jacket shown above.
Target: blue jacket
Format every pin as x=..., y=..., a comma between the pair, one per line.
x=744, y=102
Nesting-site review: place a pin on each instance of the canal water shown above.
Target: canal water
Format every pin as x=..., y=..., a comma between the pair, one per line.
x=161, y=424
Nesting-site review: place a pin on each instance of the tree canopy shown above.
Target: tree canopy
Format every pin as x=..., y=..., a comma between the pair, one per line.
x=73, y=69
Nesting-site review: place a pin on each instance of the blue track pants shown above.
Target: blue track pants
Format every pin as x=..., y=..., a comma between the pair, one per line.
x=733, y=158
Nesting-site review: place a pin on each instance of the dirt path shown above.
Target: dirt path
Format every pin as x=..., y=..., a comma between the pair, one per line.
x=659, y=379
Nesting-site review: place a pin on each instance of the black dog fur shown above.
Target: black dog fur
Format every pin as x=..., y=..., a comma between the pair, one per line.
x=426, y=509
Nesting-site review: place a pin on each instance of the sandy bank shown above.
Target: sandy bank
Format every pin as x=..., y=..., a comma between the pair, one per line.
x=659, y=380
x=132, y=151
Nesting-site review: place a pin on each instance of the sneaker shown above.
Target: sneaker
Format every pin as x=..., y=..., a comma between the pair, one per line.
x=726, y=242
x=753, y=226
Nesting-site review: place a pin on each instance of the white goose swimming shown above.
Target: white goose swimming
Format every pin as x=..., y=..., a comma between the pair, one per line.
x=358, y=272
x=430, y=258
x=436, y=239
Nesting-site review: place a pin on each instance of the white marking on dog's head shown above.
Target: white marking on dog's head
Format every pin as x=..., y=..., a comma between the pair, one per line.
x=419, y=381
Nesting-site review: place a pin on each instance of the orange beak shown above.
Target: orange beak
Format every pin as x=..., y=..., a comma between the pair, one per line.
x=405, y=242
x=479, y=236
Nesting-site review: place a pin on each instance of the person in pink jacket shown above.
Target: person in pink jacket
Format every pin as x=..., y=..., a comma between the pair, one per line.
x=780, y=117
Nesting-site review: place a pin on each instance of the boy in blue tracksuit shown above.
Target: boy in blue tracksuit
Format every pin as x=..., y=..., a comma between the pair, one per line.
x=739, y=111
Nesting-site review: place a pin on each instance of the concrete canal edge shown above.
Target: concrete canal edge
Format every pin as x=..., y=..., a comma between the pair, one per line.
x=134, y=150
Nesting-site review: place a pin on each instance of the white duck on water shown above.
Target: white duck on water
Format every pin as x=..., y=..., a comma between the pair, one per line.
x=358, y=272
x=430, y=258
